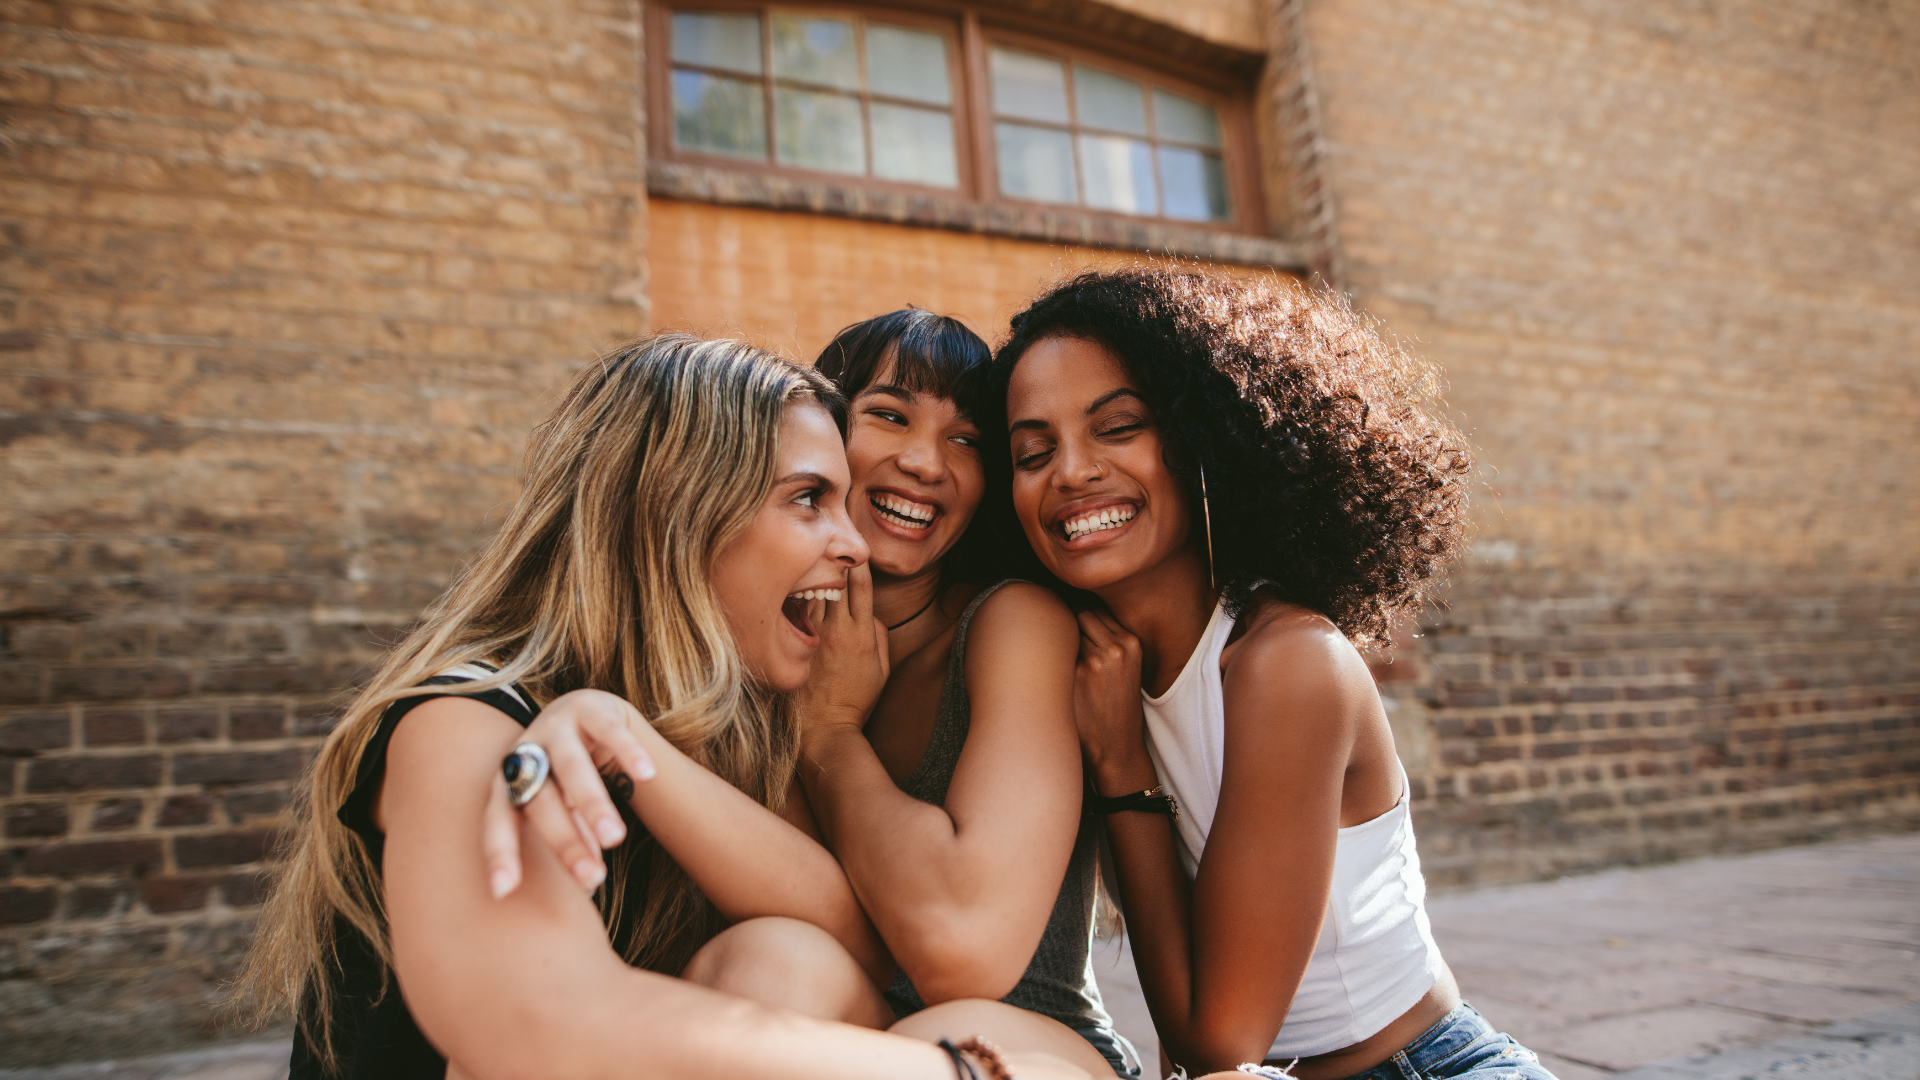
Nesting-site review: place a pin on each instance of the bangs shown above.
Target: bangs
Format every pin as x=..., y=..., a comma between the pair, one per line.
x=931, y=354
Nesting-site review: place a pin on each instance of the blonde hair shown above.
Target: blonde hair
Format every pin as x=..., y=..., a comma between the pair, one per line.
x=601, y=577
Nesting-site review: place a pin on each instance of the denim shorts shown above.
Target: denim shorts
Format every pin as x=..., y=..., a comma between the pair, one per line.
x=1461, y=1044
x=1114, y=1047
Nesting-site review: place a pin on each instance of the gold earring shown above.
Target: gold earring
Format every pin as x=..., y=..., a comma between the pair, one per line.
x=1206, y=517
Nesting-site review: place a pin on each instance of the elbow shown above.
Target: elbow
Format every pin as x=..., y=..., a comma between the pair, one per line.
x=1206, y=1048
x=949, y=956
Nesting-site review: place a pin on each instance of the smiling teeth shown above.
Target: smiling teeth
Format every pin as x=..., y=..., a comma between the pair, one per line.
x=820, y=594
x=911, y=514
x=1110, y=518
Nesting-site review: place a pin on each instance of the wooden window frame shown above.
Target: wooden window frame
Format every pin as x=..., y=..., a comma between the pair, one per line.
x=972, y=30
x=1233, y=113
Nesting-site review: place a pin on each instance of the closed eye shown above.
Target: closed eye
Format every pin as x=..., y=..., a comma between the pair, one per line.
x=1030, y=457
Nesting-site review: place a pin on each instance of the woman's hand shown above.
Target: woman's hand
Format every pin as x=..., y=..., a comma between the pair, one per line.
x=851, y=667
x=583, y=733
x=1106, y=705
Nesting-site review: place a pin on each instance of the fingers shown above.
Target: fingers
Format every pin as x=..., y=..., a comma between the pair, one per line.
x=500, y=840
x=567, y=835
x=1118, y=632
x=860, y=593
x=580, y=785
x=609, y=731
x=1094, y=634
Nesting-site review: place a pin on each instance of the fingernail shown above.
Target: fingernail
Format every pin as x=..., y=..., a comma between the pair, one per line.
x=589, y=873
x=610, y=831
x=643, y=768
x=502, y=883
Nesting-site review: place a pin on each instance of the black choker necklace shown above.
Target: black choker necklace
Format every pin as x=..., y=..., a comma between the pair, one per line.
x=915, y=615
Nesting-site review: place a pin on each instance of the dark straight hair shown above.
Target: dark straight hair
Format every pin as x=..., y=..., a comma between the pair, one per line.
x=938, y=355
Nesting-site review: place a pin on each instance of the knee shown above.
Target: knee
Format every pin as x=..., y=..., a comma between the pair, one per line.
x=771, y=947
x=791, y=964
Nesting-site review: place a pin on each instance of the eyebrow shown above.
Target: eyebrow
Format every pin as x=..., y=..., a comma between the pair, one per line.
x=1112, y=396
x=890, y=390
x=818, y=478
x=1099, y=403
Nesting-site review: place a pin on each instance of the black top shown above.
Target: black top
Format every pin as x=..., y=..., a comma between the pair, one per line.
x=373, y=1033
x=1058, y=981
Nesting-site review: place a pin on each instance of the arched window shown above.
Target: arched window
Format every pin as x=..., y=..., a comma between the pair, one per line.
x=967, y=106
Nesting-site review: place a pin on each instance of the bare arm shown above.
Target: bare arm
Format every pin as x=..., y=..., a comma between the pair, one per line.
x=749, y=861
x=1221, y=958
x=962, y=893
x=527, y=985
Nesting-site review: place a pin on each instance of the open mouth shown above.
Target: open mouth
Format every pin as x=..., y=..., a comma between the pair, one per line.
x=903, y=512
x=798, y=607
x=1110, y=517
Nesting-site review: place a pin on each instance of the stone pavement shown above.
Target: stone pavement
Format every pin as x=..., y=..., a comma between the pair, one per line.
x=1799, y=964
x=1715, y=969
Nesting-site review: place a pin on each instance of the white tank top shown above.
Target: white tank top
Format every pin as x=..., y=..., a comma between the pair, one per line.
x=1375, y=957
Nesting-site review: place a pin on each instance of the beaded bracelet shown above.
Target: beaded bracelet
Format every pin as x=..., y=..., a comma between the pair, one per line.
x=989, y=1055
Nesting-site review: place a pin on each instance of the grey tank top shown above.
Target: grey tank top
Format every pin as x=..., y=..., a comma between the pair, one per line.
x=1059, y=979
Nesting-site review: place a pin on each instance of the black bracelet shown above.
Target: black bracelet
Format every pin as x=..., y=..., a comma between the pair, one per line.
x=962, y=1068
x=1154, y=800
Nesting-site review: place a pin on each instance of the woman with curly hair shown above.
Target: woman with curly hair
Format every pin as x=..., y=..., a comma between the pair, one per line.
x=1251, y=484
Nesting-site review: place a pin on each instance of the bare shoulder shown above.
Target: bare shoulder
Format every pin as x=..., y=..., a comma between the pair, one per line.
x=1024, y=613
x=1295, y=652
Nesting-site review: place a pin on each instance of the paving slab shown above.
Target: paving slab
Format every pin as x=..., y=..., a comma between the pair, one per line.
x=1736, y=960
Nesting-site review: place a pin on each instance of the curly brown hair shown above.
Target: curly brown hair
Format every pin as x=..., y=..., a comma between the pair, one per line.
x=1332, y=481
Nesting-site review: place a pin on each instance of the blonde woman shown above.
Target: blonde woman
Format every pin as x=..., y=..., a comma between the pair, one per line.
x=684, y=512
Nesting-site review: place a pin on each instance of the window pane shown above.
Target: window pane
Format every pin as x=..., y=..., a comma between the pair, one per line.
x=819, y=131
x=1184, y=120
x=719, y=116
x=1035, y=163
x=731, y=42
x=1195, y=183
x=909, y=64
x=1119, y=173
x=1109, y=101
x=815, y=51
x=1028, y=86
x=914, y=145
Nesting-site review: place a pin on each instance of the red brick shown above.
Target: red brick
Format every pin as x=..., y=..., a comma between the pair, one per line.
x=26, y=905
x=237, y=767
x=91, y=901
x=36, y=819
x=246, y=723
x=116, y=814
x=93, y=771
x=114, y=728
x=234, y=848
x=185, y=810
x=188, y=723
x=75, y=858
x=39, y=731
x=164, y=895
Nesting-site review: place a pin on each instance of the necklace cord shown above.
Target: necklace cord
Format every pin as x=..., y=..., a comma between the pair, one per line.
x=915, y=615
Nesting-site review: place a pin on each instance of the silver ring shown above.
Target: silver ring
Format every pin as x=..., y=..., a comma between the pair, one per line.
x=526, y=771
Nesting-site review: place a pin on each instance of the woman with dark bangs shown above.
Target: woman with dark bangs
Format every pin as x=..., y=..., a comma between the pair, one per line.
x=1245, y=483
x=938, y=758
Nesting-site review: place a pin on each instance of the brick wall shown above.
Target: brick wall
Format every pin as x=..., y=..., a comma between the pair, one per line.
x=284, y=286
x=1668, y=256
